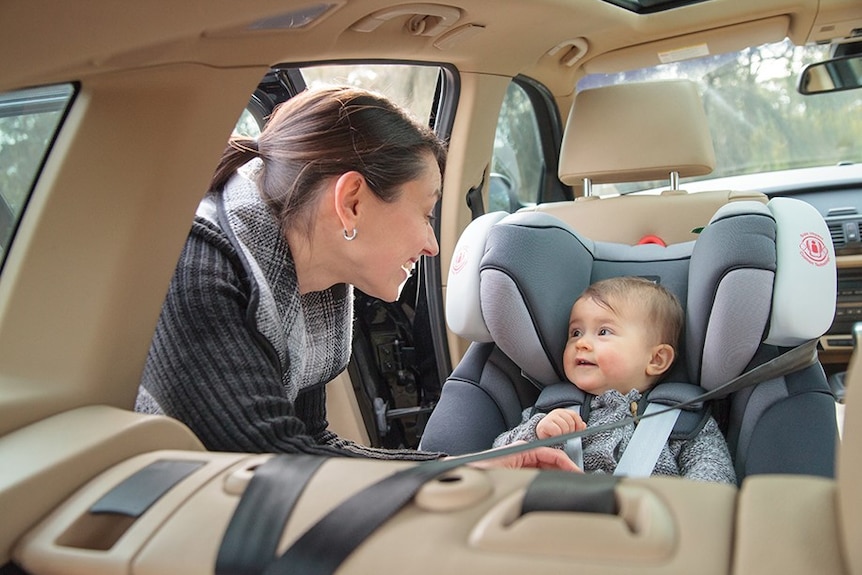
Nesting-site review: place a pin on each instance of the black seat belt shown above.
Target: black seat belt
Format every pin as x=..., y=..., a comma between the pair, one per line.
x=321, y=549
x=251, y=538
x=474, y=198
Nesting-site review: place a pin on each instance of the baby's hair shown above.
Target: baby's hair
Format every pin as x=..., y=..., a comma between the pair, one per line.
x=663, y=311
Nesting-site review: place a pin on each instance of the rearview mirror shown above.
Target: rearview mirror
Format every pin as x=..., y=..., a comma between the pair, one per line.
x=833, y=75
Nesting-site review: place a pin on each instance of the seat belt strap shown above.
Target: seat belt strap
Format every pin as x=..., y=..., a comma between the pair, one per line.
x=792, y=360
x=327, y=543
x=657, y=422
x=251, y=539
x=650, y=436
x=651, y=433
x=474, y=198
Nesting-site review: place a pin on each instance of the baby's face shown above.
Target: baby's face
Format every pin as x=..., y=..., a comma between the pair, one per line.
x=607, y=350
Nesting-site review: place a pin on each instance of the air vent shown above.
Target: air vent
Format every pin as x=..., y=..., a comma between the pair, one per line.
x=845, y=230
x=837, y=232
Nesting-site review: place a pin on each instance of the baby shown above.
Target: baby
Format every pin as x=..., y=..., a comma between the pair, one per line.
x=623, y=335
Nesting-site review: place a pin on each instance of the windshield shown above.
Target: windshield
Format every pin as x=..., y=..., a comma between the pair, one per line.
x=759, y=122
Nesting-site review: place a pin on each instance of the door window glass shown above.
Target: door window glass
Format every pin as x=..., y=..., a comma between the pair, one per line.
x=518, y=163
x=410, y=86
x=28, y=122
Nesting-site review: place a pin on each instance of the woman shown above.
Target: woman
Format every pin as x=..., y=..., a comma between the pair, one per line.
x=338, y=191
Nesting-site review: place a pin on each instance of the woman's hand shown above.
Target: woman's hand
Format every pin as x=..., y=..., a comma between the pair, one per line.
x=538, y=458
x=559, y=422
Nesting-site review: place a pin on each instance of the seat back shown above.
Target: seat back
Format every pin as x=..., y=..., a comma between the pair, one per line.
x=758, y=279
x=634, y=219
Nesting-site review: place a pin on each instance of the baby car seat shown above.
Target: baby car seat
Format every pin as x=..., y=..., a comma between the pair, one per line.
x=759, y=280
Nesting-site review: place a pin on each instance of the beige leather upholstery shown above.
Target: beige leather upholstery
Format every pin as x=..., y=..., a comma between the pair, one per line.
x=636, y=132
x=673, y=217
x=848, y=503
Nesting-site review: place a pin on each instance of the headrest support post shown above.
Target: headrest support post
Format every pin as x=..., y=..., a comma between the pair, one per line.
x=674, y=180
x=588, y=187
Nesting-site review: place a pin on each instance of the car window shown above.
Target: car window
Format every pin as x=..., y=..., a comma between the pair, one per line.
x=28, y=122
x=411, y=86
x=759, y=121
x=526, y=148
x=247, y=125
x=516, y=165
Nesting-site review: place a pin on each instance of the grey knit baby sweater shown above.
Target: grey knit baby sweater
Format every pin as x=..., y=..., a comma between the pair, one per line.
x=704, y=457
x=238, y=354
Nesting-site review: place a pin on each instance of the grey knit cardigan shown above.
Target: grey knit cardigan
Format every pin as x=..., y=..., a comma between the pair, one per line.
x=238, y=354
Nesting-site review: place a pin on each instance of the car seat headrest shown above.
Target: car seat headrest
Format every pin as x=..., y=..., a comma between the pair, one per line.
x=759, y=274
x=463, y=312
x=513, y=284
x=636, y=132
x=805, y=278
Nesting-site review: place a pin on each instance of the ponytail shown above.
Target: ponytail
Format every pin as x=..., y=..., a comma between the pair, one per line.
x=238, y=152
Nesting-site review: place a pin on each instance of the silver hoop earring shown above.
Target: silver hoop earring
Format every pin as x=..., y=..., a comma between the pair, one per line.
x=351, y=237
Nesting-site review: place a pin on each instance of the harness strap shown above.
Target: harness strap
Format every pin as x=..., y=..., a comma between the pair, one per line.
x=574, y=448
x=649, y=438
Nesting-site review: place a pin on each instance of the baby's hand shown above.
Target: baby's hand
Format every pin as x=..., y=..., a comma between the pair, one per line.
x=560, y=422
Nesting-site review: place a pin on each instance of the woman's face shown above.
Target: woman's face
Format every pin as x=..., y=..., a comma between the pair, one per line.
x=394, y=235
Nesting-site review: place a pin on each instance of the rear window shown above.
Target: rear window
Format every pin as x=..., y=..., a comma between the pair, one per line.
x=28, y=123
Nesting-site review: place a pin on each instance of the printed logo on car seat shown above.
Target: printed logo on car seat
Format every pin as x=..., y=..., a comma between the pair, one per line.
x=460, y=259
x=813, y=248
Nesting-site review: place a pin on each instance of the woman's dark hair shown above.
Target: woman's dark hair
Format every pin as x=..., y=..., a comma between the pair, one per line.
x=321, y=133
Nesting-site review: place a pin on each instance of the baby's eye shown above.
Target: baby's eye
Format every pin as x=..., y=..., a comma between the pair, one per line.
x=576, y=332
x=604, y=331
